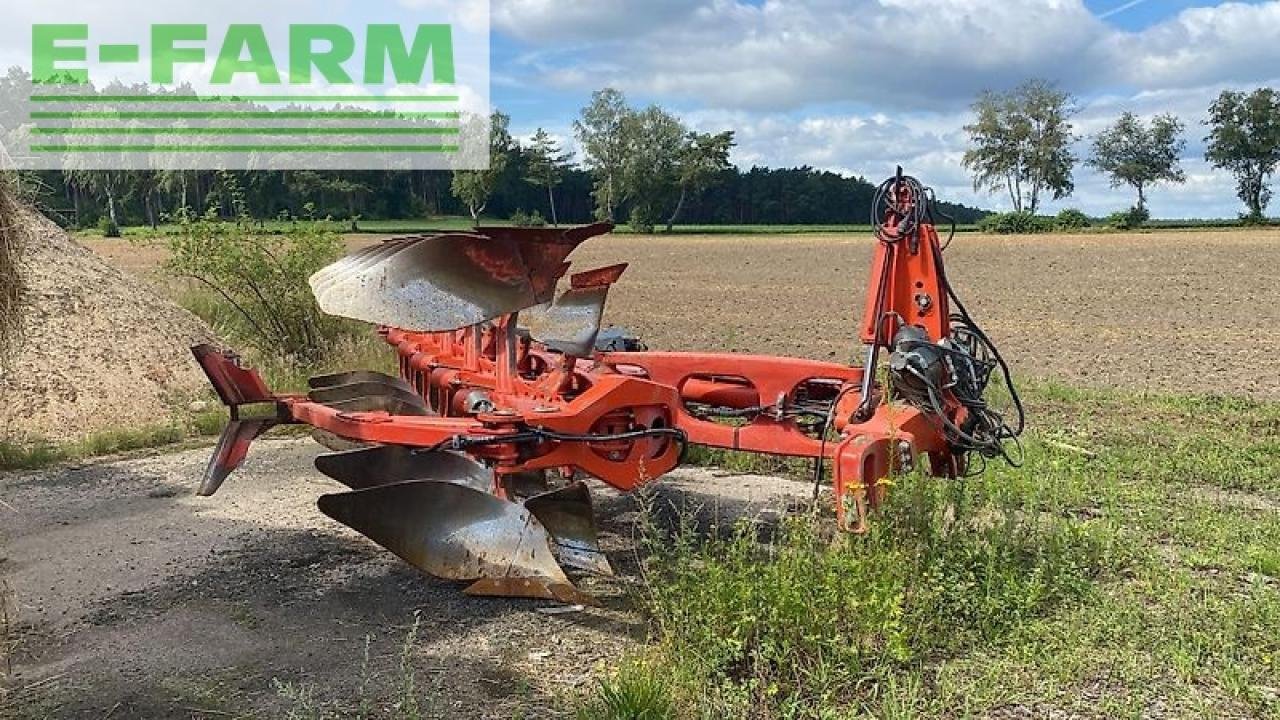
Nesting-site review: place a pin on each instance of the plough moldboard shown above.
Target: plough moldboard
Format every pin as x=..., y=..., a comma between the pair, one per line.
x=472, y=464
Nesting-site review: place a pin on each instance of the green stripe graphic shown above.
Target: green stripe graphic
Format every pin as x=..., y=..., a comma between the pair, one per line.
x=257, y=115
x=243, y=148
x=239, y=98
x=247, y=131
x=116, y=53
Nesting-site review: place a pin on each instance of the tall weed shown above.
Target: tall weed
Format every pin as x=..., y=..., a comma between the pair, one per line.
x=255, y=282
x=807, y=622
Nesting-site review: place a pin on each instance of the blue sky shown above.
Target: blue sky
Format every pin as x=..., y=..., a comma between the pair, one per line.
x=860, y=85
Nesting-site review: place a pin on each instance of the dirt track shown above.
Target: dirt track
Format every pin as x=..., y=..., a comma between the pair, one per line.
x=137, y=599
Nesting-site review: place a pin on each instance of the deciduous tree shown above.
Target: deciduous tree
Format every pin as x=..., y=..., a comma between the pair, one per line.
x=547, y=163
x=474, y=187
x=651, y=169
x=1244, y=138
x=1140, y=155
x=601, y=132
x=704, y=157
x=1020, y=143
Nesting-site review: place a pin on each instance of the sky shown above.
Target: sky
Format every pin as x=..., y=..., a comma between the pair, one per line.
x=859, y=86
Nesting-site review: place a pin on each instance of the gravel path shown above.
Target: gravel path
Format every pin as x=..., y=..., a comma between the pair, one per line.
x=137, y=599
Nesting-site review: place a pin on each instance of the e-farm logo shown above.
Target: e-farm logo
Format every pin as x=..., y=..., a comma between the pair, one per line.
x=245, y=50
x=252, y=96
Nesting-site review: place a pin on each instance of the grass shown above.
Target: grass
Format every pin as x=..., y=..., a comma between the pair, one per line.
x=39, y=453
x=353, y=346
x=411, y=226
x=280, y=374
x=1138, y=579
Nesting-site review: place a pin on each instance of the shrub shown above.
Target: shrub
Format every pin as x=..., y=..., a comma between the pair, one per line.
x=257, y=281
x=1071, y=219
x=642, y=219
x=1015, y=223
x=636, y=692
x=1130, y=219
x=522, y=219
x=108, y=228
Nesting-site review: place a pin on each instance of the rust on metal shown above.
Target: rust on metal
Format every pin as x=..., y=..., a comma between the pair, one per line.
x=385, y=464
x=448, y=463
x=450, y=531
x=569, y=517
x=367, y=388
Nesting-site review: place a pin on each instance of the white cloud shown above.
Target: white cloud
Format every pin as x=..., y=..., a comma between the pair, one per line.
x=861, y=85
x=1201, y=46
x=787, y=53
x=898, y=54
x=931, y=146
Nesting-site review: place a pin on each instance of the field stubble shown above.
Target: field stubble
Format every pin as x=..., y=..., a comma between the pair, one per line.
x=1178, y=312
x=1166, y=311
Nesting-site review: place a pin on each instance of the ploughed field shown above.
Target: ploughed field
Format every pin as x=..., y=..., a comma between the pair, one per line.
x=1181, y=312
x=1191, y=312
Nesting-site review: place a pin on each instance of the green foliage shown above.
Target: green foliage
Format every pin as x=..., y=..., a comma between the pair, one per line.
x=1147, y=561
x=651, y=172
x=1071, y=219
x=1139, y=155
x=547, y=163
x=803, y=623
x=1131, y=219
x=601, y=134
x=108, y=228
x=310, y=182
x=38, y=453
x=638, y=691
x=261, y=280
x=1019, y=222
x=1020, y=144
x=1244, y=138
x=475, y=187
x=704, y=157
x=521, y=218
x=30, y=455
x=646, y=159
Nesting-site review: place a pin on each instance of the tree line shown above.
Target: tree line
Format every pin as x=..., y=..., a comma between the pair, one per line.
x=638, y=165
x=1021, y=147
x=646, y=167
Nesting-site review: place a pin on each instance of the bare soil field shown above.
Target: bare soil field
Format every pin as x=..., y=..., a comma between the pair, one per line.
x=1173, y=311
x=1183, y=312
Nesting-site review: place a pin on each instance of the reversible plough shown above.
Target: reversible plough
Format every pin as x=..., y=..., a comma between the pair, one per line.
x=472, y=464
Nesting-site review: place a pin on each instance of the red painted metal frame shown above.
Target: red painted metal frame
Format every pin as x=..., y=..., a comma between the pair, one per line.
x=492, y=388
